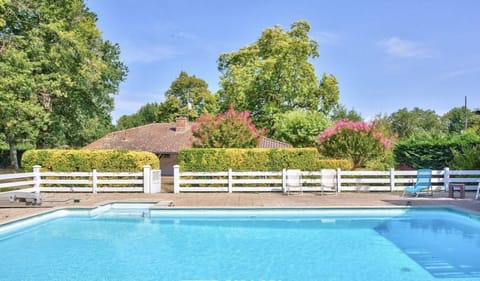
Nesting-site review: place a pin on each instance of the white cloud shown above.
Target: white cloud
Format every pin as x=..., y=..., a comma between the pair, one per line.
x=397, y=47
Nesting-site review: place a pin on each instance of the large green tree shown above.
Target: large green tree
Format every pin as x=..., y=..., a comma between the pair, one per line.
x=340, y=112
x=329, y=93
x=273, y=75
x=189, y=96
x=454, y=120
x=416, y=122
x=55, y=66
x=145, y=115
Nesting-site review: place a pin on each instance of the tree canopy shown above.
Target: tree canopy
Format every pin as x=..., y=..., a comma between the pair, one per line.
x=454, y=120
x=407, y=123
x=273, y=75
x=56, y=66
x=340, y=112
x=189, y=96
x=145, y=115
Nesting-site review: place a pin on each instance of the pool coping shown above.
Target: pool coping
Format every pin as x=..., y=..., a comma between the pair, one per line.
x=455, y=209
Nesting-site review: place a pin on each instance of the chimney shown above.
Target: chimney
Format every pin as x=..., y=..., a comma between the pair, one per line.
x=181, y=123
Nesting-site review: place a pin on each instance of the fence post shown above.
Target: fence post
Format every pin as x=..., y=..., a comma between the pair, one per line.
x=230, y=180
x=146, y=179
x=94, y=181
x=176, y=179
x=36, y=179
x=284, y=180
x=392, y=179
x=155, y=181
x=339, y=180
x=446, y=178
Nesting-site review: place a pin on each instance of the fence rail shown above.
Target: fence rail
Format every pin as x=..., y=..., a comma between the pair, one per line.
x=147, y=181
x=324, y=180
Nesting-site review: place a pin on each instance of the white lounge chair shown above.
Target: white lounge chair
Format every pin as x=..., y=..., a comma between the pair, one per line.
x=294, y=182
x=329, y=180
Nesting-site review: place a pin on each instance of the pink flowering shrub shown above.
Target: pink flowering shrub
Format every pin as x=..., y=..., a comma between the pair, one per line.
x=358, y=141
x=227, y=130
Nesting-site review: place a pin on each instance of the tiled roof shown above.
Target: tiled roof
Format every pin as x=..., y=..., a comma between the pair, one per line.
x=159, y=138
x=155, y=137
x=269, y=143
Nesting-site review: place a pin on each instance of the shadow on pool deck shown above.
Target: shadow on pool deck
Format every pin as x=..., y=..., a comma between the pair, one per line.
x=245, y=200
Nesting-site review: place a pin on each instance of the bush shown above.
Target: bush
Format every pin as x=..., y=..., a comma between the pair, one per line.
x=299, y=128
x=86, y=160
x=467, y=159
x=256, y=159
x=433, y=153
x=383, y=163
x=229, y=129
x=358, y=141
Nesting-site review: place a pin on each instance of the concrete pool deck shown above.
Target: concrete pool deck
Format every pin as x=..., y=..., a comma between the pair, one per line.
x=53, y=201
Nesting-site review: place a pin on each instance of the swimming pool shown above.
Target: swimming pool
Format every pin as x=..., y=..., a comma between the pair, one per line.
x=242, y=244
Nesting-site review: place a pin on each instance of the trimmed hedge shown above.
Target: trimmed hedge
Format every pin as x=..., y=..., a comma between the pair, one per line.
x=432, y=153
x=59, y=160
x=255, y=159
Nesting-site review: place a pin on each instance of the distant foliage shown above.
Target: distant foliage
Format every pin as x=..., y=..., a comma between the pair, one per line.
x=454, y=120
x=188, y=96
x=358, y=141
x=406, y=124
x=231, y=129
x=145, y=115
x=340, y=112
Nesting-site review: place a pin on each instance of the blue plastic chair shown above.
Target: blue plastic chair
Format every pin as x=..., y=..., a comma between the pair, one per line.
x=424, y=181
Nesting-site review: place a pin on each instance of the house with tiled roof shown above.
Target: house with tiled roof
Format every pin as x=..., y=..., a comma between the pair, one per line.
x=162, y=139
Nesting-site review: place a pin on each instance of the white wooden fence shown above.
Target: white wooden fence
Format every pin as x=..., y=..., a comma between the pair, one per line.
x=148, y=181
x=323, y=180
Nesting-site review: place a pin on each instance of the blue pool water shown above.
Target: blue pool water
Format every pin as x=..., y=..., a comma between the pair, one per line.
x=274, y=245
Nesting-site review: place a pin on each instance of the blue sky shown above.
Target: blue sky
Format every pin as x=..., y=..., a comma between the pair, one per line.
x=386, y=54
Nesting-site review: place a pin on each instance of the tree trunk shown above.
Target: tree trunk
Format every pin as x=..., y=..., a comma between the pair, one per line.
x=13, y=151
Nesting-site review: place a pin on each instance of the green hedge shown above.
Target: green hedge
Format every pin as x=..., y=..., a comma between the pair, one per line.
x=60, y=160
x=432, y=153
x=255, y=159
